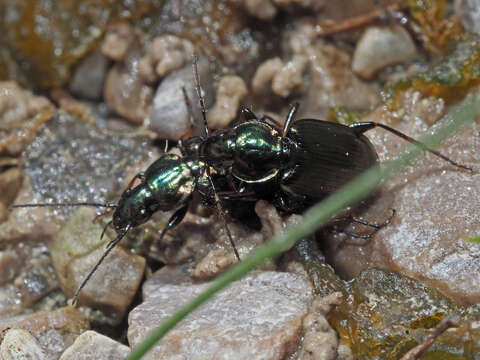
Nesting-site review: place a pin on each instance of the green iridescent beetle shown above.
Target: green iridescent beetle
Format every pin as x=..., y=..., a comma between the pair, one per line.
x=299, y=164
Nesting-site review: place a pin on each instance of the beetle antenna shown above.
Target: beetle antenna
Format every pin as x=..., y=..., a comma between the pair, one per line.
x=361, y=127
x=198, y=89
x=105, y=205
x=109, y=248
x=222, y=215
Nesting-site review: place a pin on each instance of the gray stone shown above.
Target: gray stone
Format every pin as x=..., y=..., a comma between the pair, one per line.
x=169, y=115
x=258, y=317
x=89, y=76
x=92, y=345
x=380, y=47
x=468, y=11
x=75, y=252
x=19, y=344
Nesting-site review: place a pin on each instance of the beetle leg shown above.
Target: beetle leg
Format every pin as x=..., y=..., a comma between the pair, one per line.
x=365, y=237
x=361, y=127
x=274, y=122
x=376, y=226
x=175, y=219
x=105, y=229
x=289, y=120
x=366, y=223
x=107, y=211
x=235, y=195
x=140, y=176
x=222, y=215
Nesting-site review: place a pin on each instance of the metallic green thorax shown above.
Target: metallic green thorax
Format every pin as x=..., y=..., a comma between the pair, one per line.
x=167, y=183
x=254, y=151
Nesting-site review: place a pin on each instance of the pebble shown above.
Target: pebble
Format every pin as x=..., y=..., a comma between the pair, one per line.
x=327, y=79
x=19, y=344
x=92, y=346
x=290, y=77
x=21, y=114
x=89, y=75
x=281, y=78
x=117, y=41
x=264, y=74
x=166, y=54
x=169, y=114
x=320, y=341
x=262, y=9
x=380, y=47
x=125, y=90
x=230, y=92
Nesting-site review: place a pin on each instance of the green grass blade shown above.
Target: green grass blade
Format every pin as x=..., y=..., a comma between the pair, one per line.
x=316, y=217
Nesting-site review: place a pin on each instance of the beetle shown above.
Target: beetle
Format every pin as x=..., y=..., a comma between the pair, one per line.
x=299, y=164
x=266, y=163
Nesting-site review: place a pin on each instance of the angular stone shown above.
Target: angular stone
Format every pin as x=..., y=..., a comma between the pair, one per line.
x=258, y=317
x=169, y=114
x=89, y=76
x=380, y=47
x=54, y=330
x=125, y=91
x=92, y=345
x=77, y=249
x=20, y=344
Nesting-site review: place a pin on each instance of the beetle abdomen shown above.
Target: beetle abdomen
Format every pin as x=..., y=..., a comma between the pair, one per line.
x=329, y=156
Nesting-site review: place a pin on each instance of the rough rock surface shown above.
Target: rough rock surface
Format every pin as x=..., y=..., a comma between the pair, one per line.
x=54, y=330
x=436, y=208
x=75, y=251
x=27, y=275
x=20, y=344
x=222, y=328
x=92, y=345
